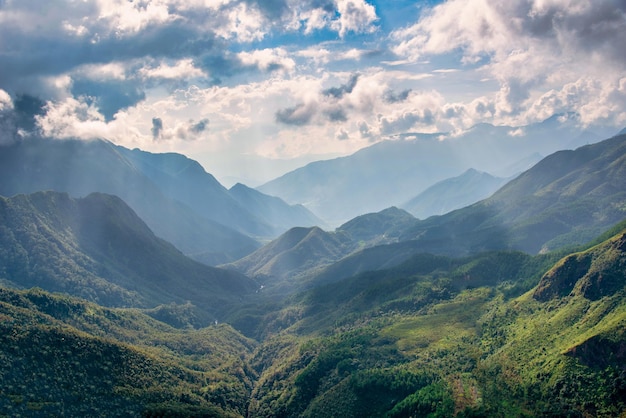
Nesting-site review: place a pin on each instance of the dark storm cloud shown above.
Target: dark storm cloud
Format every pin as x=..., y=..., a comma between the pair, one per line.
x=8, y=126
x=393, y=97
x=325, y=5
x=298, y=115
x=26, y=108
x=594, y=29
x=199, y=127
x=52, y=54
x=339, y=92
x=272, y=9
x=157, y=128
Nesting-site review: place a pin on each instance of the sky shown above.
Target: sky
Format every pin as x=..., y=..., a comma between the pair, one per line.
x=252, y=88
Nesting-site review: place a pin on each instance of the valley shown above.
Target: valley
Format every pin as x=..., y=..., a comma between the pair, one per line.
x=511, y=305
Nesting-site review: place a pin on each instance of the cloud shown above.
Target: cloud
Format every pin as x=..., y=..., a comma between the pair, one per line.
x=199, y=127
x=8, y=129
x=530, y=47
x=26, y=109
x=355, y=16
x=339, y=92
x=181, y=69
x=109, y=96
x=157, y=128
x=300, y=114
x=268, y=60
x=393, y=97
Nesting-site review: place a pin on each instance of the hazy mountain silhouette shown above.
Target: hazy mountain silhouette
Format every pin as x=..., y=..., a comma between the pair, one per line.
x=394, y=171
x=290, y=260
x=453, y=193
x=177, y=198
x=566, y=199
x=273, y=210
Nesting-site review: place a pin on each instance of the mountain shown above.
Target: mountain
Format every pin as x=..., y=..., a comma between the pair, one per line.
x=299, y=250
x=592, y=274
x=439, y=336
x=178, y=199
x=453, y=193
x=83, y=167
x=272, y=210
x=97, y=248
x=291, y=259
x=184, y=180
x=566, y=199
x=394, y=171
x=499, y=333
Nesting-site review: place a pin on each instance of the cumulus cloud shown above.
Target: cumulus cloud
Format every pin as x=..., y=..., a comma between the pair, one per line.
x=181, y=69
x=355, y=15
x=199, y=127
x=273, y=74
x=393, y=97
x=528, y=46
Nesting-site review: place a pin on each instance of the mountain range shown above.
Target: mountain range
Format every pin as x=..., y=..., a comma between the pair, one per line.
x=514, y=305
x=175, y=196
x=97, y=248
x=565, y=200
x=394, y=171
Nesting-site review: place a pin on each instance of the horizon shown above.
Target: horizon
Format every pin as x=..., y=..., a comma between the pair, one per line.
x=266, y=87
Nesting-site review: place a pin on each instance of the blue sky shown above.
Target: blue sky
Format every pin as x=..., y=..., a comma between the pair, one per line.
x=237, y=83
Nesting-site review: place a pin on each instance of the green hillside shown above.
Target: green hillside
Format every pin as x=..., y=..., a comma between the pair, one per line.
x=97, y=248
x=566, y=199
x=440, y=337
x=500, y=333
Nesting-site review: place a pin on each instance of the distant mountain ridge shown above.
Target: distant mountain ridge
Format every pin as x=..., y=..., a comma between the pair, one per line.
x=565, y=200
x=273, y=210
x=454, y=193
x=392, y=172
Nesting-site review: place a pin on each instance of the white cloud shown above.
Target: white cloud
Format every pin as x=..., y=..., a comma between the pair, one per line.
x=355, y=16
x=533, y=48
x=268, y=59
x=5, y=101
x=126, y=17
x=108, y=71
x=182, y=69
x=7, y=122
